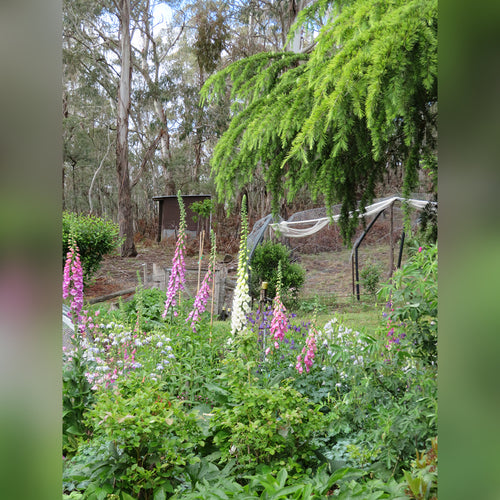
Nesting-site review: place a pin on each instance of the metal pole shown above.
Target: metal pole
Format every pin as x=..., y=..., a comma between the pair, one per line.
x=262, y=306
x=357, y=273
x=401, y=248
x=356, y=245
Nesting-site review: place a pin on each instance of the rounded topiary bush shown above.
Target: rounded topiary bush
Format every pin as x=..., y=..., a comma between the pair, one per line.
x=264, y=267
x=94, y=236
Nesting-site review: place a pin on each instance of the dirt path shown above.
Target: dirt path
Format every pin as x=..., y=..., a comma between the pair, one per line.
x=326, y=273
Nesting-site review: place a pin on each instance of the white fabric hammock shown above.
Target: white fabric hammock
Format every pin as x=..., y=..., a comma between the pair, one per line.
x=289, y=229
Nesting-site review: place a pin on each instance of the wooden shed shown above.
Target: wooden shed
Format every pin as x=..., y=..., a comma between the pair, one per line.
x=169, y=215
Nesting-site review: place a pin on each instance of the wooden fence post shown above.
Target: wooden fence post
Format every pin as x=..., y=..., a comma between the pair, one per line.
x=219, y=289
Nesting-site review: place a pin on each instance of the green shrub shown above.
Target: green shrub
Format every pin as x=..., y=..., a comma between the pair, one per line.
x=264, y=267
x=370, y=278
x=412, y=298
x=94, y=236
x=202, y=209
x=151, y=438
x=266, y=426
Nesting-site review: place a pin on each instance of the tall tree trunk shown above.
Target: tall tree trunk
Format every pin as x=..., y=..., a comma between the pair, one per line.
x=294, y=7
x=125, y=214
x=150, y=42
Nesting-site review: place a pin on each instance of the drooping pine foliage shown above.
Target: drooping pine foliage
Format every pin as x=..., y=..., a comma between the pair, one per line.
x=336, y=119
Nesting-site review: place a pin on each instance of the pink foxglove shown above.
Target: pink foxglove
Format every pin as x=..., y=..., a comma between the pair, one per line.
x=178, y=274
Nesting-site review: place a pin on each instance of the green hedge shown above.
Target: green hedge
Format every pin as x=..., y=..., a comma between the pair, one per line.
x=94, y=236
x=264, y=267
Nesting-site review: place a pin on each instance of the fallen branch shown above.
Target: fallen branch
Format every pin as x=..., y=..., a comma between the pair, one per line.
x=103, y=298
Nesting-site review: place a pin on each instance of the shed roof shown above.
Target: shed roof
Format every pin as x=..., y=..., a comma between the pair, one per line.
x=183, y=196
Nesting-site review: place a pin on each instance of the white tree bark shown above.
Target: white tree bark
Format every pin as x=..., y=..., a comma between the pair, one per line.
x=125, y=213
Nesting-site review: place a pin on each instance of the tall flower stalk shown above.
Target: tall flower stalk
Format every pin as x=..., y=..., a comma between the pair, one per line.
x=73, y=282
x=178, y=274
x=306, y=357
x=308, y=352
x=241, y=299
x=201, y=299
x=279, y=323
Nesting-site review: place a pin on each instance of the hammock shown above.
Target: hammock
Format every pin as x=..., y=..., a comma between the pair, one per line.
x=289, y=229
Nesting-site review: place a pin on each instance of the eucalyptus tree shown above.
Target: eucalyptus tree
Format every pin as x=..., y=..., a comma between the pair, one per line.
x=111, y=51
x=89, y=117
x=361, y=100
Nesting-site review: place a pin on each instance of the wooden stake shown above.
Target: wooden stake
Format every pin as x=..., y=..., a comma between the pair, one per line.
x=200, y=256
x=213, y=255
x=212, y=308
x=391, y=253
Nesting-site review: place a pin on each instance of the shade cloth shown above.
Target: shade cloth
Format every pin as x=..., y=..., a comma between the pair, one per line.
x=290, y=229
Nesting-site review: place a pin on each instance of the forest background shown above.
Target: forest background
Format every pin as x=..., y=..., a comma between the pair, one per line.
x=161, y=97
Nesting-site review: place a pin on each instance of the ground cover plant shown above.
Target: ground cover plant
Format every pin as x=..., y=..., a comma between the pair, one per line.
x=271, y=406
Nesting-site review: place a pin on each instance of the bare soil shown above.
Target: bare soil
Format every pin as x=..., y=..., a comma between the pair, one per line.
x=323, y=255
x=327, y=273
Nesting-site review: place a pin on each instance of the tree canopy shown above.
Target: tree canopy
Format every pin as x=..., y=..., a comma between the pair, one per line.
x=337, y=118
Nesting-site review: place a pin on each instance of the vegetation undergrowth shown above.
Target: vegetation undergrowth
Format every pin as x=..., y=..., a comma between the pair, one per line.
x=281, y=407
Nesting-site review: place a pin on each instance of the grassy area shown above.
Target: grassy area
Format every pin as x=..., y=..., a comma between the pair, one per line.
x=363, y=315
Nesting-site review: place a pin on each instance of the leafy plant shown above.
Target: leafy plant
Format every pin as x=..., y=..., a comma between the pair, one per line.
x=149, y=302
x=150, y=436
x=422, y=479
x=94, y=236
x=370, y=278
x=264, y=267
x=428, y=228
x=77, y=398
x=202, y=209
x=413, y=303
x=266, y=426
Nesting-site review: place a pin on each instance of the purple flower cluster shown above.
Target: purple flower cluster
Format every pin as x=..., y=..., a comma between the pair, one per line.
x=260, y=323
x=393, y=338
x=73, y=280
x=178, y=274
